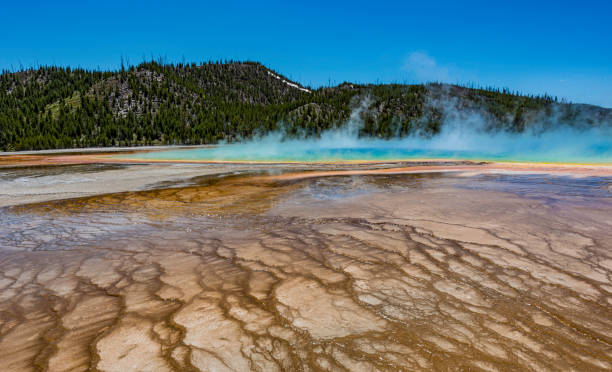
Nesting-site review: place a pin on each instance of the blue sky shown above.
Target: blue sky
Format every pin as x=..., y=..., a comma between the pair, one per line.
x=560, y=47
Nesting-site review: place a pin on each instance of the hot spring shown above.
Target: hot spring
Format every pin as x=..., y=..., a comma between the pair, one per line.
x=564, y=145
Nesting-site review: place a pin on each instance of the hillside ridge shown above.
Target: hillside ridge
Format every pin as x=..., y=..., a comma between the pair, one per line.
x=155, y=103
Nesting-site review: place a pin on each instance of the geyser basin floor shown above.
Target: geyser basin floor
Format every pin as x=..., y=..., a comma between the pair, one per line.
x=30, y=178
x=377, y=272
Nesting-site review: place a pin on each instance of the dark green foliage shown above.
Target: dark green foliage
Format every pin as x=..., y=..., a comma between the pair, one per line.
x=155, y=103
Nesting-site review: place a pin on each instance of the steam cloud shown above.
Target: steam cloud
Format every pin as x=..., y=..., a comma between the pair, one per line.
x=463, y=136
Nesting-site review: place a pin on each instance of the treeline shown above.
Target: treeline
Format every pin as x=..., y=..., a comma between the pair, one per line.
x=155, y=103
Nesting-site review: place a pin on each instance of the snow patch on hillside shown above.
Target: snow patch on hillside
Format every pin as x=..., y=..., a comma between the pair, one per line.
x=289, y=83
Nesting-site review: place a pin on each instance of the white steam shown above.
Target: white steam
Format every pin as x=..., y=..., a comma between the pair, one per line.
x=463, y=136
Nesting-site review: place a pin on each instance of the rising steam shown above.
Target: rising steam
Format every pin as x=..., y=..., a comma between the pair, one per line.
x=463, y=136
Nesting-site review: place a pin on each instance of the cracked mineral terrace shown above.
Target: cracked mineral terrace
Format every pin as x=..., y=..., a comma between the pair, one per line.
x=210, y=267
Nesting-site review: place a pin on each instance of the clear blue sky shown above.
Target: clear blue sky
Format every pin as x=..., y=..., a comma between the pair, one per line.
x=560, y=47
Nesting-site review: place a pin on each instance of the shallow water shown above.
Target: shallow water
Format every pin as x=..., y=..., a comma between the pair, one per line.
x=386, y=272
x=377, y=151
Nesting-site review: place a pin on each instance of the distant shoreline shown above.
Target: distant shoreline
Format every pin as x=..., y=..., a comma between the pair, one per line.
x=91, y=155
x=89, y=150
x=100, y=155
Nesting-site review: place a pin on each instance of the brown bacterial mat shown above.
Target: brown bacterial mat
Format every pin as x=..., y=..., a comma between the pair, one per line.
x=411, y=272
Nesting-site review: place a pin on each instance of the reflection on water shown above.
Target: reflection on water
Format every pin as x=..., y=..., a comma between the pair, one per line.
x=388, y=272
x=545, y=186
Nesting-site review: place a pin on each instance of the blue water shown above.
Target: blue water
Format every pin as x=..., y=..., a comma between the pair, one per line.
x=561, y=145
x=252, y=152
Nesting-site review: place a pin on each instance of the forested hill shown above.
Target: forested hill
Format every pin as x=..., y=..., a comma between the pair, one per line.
x=155, y=103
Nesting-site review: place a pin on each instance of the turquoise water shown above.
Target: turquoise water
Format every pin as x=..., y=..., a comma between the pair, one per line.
x=562, y=145
x=252, y=152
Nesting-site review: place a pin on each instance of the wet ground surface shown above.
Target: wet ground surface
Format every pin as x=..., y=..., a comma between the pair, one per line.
x=378, y=272
x=27, y=174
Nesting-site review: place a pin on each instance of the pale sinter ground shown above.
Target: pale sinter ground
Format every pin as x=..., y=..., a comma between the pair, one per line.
x=349, y=273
